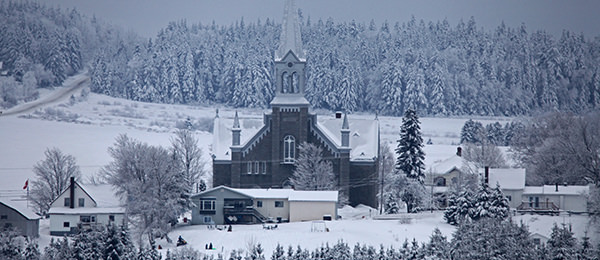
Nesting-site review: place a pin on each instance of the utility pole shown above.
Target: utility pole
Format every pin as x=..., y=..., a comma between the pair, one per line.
x=381, y=186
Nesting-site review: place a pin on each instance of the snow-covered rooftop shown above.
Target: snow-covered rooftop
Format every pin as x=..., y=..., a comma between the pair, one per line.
x=289, y=194
x=364, y=135
x=508, y=178
x=104, y=196
x=445, y=165
x=290, y=39
x=21, y=207
x=551, y=190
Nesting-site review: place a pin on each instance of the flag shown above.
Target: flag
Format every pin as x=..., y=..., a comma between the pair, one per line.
x=26, y=184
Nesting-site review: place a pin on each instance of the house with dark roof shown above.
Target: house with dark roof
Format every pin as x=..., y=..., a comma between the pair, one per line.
x=16, y=214
x=261, y=152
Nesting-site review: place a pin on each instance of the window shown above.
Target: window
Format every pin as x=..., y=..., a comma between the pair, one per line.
x=208, y=219
x=509, y=197
x=440, y=181
x=264, y=167
x=4, y=217
x=289, y=146
x=85, y=219
x=279, y=204
x=259, y=204
x=111, y=217
x=537, y=241
x=207, y=206
x=256, y=170
x=67, y=202
x=66, y=224
x=249, y=167
x=81, y=202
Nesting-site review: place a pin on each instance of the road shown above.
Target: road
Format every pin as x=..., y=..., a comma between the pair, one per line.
x=63, y=92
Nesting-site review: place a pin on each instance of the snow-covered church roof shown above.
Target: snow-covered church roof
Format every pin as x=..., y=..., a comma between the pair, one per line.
x=290, y=39
x=364, y=135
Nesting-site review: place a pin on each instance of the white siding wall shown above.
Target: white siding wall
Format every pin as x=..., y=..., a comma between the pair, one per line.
x=311, y=210
x=268, y=208
x=56, y=222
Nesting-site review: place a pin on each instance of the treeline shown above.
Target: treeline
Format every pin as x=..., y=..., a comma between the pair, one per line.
x=41, y=46
x=483, y=239
x=434, y=67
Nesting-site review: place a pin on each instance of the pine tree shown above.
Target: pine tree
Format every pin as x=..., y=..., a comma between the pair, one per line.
x=279, y=253
x=32, y=250
x=312, y=171
x=438, y=246
x=472, y=132
x=410, y=148
x=562, y=245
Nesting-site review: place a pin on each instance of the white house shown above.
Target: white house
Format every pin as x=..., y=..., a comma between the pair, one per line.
x=224, y=205
x=80, y=207
x=572, y=198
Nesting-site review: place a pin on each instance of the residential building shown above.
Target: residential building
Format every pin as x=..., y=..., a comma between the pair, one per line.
x=79, y=207
x=224, y=205
x=16, y=214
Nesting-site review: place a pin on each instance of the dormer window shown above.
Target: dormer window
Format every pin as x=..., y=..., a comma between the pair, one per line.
x=289, y=146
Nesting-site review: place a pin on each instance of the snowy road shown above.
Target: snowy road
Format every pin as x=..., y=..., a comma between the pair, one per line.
x=74, y=84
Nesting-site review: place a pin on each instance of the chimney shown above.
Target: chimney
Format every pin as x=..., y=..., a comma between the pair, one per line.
x=486, y=179
x=556, y=187
x=72, y=192
x=459, y=151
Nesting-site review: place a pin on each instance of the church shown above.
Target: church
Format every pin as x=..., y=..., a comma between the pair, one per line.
x=253, y=153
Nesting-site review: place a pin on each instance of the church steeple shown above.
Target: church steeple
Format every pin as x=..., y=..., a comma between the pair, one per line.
x=290, y=62
x=290, y=39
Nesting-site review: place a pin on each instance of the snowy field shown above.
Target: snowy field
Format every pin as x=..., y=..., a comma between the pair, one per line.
x=87, y=127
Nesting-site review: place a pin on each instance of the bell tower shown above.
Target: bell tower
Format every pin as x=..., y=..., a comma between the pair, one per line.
x=290, y=62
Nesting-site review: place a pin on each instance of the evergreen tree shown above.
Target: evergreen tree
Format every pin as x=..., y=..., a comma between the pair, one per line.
x=31, y=250
x=562, y=245
x=472, y=132
x=410, y=148
x=438, y=246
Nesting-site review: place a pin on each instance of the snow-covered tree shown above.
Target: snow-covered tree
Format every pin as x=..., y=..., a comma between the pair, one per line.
x=562, y=244
x=472, y=132
x=485, y=154
x=52, y=177
x=185, y=147
x=410, y=148
x=438, y=246
x=154, y=183
x=312, y=172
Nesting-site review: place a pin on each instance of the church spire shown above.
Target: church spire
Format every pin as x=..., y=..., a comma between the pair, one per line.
x=290, y=39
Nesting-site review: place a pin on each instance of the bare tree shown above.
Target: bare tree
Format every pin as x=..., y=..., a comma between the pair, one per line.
x=561, y=147
x=52, y=177
x=484, y=154
x=185, y=147
x=312, y=171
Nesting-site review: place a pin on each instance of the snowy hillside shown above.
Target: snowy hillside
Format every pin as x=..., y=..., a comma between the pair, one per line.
x=86, y=126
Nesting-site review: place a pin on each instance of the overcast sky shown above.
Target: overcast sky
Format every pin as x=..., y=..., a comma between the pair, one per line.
x=146, y=17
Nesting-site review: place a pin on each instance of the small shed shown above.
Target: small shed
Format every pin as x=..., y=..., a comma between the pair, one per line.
x=16, y=214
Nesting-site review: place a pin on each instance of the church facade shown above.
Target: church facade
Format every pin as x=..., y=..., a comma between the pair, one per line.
x=248, y=153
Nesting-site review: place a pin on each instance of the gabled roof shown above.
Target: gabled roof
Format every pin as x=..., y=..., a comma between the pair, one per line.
x=289, y=194
x=20, y=207
x=364, y=135
x=447, y=165
x=103, y=196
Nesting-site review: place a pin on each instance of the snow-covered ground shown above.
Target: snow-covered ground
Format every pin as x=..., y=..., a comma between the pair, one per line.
x=87, y=127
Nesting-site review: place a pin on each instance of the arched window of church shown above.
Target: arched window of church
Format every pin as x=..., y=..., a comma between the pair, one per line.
x=285, y=83
x=295, y=88
x=289, y=146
